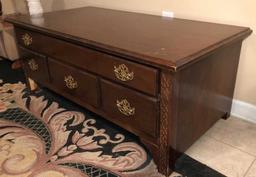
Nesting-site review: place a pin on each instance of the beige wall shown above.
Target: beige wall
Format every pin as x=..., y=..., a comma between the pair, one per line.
x=8, y=6
x=14, y=6
x=238, y=12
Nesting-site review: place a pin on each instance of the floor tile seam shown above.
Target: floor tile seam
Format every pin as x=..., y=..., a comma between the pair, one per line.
x=247, y=171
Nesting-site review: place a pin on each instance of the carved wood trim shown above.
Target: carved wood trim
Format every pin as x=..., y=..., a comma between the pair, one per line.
x=165, y=113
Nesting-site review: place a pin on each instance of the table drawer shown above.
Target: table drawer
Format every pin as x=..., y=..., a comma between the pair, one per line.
x=77, y=84
x=35, y=66
x=131, y=74
x=129, y=108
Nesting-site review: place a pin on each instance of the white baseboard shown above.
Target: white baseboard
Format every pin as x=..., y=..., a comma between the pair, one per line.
x=244, y=110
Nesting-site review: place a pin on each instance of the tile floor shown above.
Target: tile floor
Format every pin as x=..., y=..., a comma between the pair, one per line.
x=229, y=147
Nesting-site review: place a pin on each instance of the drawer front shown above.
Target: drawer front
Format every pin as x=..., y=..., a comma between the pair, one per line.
x=77, y=84
x=35, y=66
x=134, y=75
x=130, y=109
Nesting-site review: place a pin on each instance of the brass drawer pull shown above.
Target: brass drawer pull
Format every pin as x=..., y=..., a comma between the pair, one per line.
x=125, y=108
x=27, y=39
x=71, y=83
x=122, y=73
x=33, y=65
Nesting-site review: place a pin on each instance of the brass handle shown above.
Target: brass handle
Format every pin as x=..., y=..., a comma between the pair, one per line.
x=122, y=73
x=71, y=83
x=33, y=65
x=125, y=107
x=27, y=39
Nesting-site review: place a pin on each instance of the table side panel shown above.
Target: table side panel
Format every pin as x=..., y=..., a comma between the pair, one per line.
x=205, y=93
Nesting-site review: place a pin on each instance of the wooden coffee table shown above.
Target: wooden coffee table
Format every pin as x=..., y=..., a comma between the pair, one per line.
x=165, y=80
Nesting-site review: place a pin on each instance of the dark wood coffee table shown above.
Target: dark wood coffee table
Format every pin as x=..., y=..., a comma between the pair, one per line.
x=165, y=80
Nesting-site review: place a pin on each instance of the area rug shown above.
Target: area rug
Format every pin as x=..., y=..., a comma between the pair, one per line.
x=44, y=135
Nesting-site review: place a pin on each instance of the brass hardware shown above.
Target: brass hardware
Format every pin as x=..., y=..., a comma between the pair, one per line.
x=125, y=108
x=27, y=39
x=71, y=83
x=33, y=65
x=122, y=73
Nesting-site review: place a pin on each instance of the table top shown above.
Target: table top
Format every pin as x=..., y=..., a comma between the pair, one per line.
x=159, y=41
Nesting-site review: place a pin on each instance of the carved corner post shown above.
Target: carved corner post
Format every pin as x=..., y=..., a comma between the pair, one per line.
x=167, y=124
